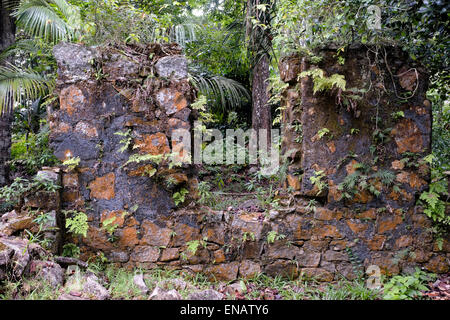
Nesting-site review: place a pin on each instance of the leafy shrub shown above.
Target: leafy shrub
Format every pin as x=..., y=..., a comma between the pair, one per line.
x=179, y=197
x=71, y=250
x=204, y=190
x=21, y=187
x=32, y=152
x=407, y=287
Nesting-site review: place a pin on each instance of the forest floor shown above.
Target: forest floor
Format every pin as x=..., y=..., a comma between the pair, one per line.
x=159, y=284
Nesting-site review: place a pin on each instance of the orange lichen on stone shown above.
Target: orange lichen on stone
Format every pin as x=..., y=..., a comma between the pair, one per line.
x=118, y=216
x=249, y=269
x=103, y=187
x=172, y=100
x=224, y=272
x=397, y=165
x=145, y=254
x=362, y=196
x=70, y=196
x=59, y=127
x=318, y=274
x=327, y=231
x=154, y=144
x=141, y=171
x=293, y=182
x=356, y=227
x=389, y=224
x=420, y=111
x=326, y=214
x=170, y=254
x=438, y=264
x=331, y=146
x=377, y=242
x=178, y=178
x=402, y=195
x=369, y=214
x=407, y=78
x=387, y=263
x=404, y=241
x=411, y=178
x=350, y=168
x=334, y=194
x=70, y=99
x=407, y=136
x=129, y=237
x=154, y=235
x=219, y=256
x=70, y=180
x=97, y=238
x=67, y=155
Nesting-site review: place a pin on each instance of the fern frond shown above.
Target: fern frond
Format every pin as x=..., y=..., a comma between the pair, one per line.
x=386, y=177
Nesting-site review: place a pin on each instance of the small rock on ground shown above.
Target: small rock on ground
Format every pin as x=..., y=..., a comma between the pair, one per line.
x=138, y=280
x=208, y=294
x=161, y=294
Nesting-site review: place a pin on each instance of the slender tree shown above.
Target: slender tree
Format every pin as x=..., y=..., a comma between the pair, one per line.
x=7, y=36
x=49, y=19
x=259, y=45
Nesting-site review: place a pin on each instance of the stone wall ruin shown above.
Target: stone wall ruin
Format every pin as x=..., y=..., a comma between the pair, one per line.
x=144, y=94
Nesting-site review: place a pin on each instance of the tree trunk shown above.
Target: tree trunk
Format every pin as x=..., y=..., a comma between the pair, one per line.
x=259, y=44
x=7, y=27
x=5, y=147
x=261, y=116
x=7, y=32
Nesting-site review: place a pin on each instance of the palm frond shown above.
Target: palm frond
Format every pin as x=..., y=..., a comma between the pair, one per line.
x=179, y=33
x=23, y=45
x=10, y=4
x=222, y=92
x=48, y=19
x=17, y=86
x=183, y=33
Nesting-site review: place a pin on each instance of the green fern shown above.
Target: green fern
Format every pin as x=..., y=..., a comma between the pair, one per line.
x=317, y=180
x=72, y=163
x=76, y=223
x=434, y=205
x=360, y=180
x=387, y=177
x=322, y=132
x=138, y=158
x=126, y=141
x=273, y=235
x=323, y=83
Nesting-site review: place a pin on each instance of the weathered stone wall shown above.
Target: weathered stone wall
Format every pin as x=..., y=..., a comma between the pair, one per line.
x=380, y=222
x=115, y=103
x=146, y=90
